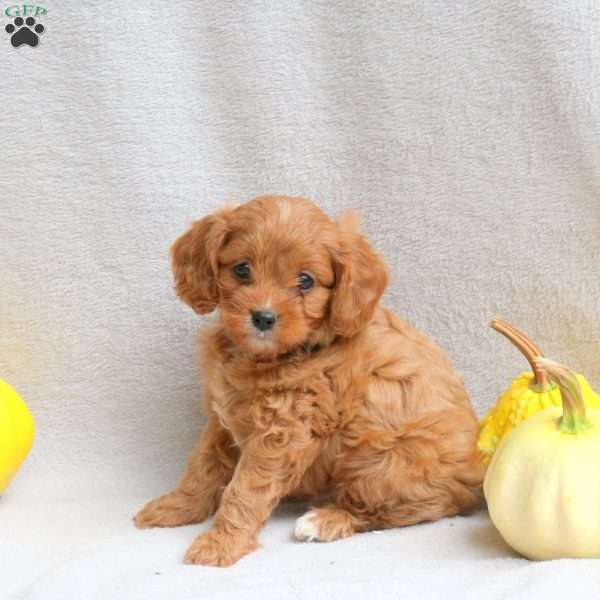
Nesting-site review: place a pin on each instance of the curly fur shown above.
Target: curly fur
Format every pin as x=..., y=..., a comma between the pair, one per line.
x=343, y=402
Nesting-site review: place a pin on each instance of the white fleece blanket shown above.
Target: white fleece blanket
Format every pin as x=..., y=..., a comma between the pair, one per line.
x=465, y=133
x=89, y=551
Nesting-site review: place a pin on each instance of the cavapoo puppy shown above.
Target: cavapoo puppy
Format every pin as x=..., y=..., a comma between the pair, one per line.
x=311, y=389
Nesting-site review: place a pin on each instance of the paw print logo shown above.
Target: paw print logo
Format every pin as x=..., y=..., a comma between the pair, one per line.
x=24, y=32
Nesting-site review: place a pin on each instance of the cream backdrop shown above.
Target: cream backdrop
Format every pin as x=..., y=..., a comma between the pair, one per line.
x=466, y=134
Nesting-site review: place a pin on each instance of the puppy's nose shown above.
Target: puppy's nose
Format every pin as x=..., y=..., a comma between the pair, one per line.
x=263, y=320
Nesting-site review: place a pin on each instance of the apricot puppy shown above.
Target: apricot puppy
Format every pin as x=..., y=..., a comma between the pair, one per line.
x=311, y=389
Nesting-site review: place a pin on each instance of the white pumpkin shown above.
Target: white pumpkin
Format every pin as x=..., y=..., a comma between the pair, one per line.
x=543, y=484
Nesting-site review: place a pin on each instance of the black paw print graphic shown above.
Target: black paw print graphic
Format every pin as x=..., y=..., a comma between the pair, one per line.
x=24, y=34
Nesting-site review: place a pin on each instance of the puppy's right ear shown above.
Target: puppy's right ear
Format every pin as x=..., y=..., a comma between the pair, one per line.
x=195, y=262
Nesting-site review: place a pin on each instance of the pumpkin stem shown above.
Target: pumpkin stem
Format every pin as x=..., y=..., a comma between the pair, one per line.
x=574, y=418
x=529, y=350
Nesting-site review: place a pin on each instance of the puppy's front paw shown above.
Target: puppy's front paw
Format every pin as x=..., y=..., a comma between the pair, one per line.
x=217, y=550
x=172, y=510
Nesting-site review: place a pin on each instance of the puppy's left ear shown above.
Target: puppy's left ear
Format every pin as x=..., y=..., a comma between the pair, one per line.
x=360, y=279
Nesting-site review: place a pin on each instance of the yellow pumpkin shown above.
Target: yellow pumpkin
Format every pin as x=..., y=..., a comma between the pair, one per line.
x=542, y=486
x=527, y=395
x=17, y=430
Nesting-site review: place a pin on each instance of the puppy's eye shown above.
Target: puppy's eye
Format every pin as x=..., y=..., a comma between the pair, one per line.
x=305, y=281
x=242, y=271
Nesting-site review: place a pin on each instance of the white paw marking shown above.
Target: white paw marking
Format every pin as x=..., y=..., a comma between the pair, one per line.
x=306, y=529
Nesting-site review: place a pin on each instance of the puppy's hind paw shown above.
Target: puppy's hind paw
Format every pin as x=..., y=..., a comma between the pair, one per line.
x=306, y=529
x=324, y=525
